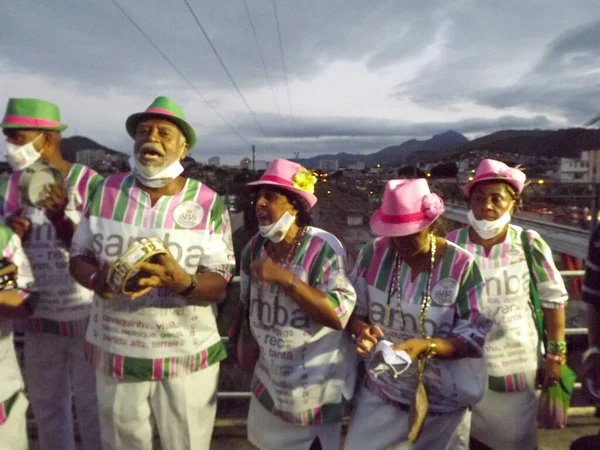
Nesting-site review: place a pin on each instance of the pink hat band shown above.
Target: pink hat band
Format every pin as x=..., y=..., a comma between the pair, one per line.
x=402, y=218
x=160, y=111
x=30, y=121
x=276, y=179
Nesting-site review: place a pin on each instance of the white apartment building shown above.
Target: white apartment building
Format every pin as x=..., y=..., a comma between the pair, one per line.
x=573, y=169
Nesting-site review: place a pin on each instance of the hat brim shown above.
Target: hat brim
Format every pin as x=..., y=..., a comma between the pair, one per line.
x=61, y=127
x=186, y=128
x=517, y=185
x=311, y=199
x=381, y=228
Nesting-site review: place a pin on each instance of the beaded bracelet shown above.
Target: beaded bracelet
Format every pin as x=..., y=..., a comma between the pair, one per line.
x=561, y=359
x=559, y=348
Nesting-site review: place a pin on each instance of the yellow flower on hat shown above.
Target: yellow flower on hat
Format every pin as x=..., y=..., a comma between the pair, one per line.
x=305, y=181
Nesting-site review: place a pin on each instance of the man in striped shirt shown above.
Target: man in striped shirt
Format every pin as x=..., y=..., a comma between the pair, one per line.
x=15, y=303
x=157, y=349
x=45, y=218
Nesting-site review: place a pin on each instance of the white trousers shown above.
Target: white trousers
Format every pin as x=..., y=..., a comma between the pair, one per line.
x=183, y=409
x=56, y=370
x=13, y=432
x=506, y=420
x=375, y=425
x=270, y=432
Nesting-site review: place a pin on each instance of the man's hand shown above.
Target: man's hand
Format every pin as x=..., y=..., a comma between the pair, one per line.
x=367, y=340
x=99, y=285
x=54, y=202
x=165, y=272
x=19, y=224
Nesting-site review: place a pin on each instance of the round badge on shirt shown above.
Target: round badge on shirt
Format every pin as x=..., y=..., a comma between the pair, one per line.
x=444, y=292
x=188, y=214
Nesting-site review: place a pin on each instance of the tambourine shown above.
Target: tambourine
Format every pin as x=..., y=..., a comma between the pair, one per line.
x=8, y=275
x=123, y=275
x=33, y=182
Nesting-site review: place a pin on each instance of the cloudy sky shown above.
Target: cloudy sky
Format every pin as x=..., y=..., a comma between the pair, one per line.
x=349, y=75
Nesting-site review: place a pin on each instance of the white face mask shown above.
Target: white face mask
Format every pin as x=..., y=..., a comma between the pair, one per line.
x=277, y=231
x=20, y=157
x=487, y=229
x=159, y=179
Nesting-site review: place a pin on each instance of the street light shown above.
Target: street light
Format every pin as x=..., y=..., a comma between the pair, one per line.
x=540, y=181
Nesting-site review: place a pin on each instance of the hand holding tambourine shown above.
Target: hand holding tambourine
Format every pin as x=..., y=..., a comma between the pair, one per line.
x=54, y=201
x=147, y=264
x=8, y=275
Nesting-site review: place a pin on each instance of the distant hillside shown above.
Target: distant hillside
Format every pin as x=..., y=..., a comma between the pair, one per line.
x=397, y=154
x=71, y=145
x=543, y=143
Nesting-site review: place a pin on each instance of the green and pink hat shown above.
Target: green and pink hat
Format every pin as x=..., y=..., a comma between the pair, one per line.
x=163, y=108
x=32, y=113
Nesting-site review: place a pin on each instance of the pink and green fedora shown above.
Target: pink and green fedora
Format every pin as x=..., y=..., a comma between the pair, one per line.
x=163, y=108
x=32, y=113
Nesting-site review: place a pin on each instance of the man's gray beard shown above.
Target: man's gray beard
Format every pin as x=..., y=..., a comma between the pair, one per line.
x=148, y=169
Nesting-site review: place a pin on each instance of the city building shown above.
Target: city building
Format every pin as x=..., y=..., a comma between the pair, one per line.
x=329, y=165
x=359, y=165
x=592, y=157
x=214, y=161
x=90, y=157
x=573, y=169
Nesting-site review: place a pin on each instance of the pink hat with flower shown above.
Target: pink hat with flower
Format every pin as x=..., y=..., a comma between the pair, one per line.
x=490, y=169
x=290, y=176
x=408, y=206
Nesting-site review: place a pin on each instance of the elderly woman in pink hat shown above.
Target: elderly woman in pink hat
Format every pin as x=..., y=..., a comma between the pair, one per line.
x=418, y=317
x=506, y=417
x=297, y=300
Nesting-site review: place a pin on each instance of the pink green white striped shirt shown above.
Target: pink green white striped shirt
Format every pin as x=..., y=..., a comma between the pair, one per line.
x=64, y=305
x=160, y=335
x=305, y=370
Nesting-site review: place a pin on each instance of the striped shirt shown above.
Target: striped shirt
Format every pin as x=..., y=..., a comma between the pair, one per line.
x=457, y=299
x=10, y=375
x=64, y=305
x=160, y=335
x=305, y=370
x=512, y=347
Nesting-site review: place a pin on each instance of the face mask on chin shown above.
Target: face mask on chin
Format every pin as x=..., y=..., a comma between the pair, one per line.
x=20, y=157
x=487, y=229
x=277, y=231
x=159, y=179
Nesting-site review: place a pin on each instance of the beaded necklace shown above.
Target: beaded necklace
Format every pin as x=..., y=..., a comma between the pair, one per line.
x=425, y=299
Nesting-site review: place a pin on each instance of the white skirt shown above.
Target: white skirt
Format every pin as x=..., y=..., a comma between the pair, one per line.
x=376, y=425
x=270, y=432
x=506, y=420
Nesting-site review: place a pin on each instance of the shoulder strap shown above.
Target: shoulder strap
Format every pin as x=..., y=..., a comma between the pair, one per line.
x=534, y=294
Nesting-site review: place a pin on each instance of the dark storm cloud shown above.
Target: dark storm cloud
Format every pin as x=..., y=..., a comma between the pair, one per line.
x=566, y=80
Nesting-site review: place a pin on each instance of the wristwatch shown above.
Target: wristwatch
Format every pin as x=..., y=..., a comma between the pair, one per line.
x=188, y=290
x=589, y=353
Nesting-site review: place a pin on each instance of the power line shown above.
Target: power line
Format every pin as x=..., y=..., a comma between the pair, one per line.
x=262, y=59
x=172, y=64
x=225, y=69
x=287, y=85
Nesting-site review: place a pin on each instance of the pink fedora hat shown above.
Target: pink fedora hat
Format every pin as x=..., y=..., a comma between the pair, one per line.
x=490, y=169
x=290, y=176
x=408, y=206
